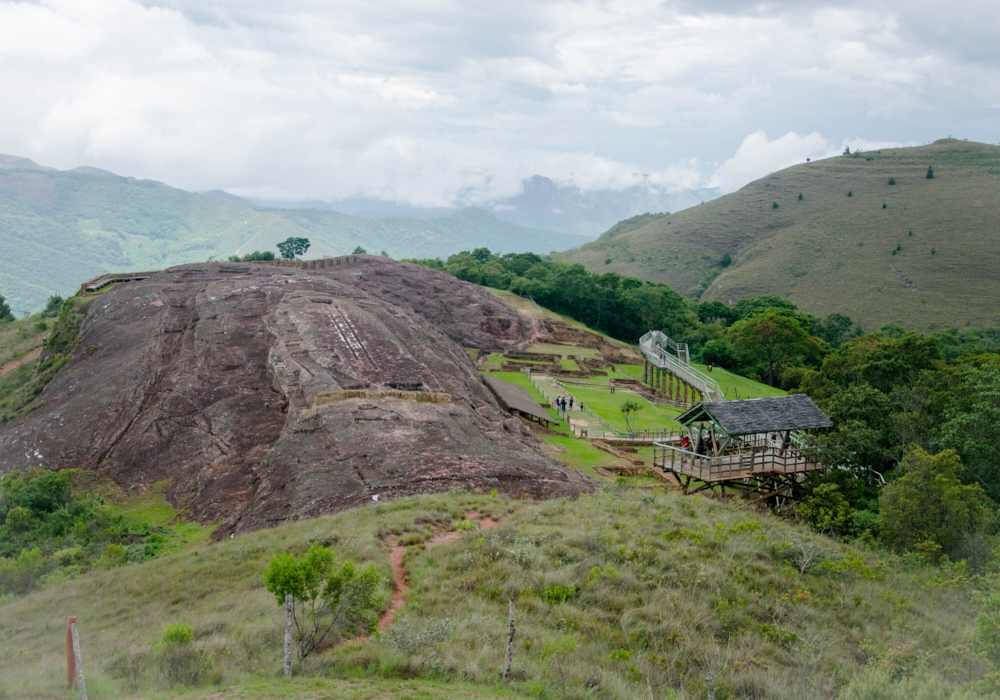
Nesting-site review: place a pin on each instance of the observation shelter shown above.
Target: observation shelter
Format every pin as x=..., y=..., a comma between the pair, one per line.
x=758, y=446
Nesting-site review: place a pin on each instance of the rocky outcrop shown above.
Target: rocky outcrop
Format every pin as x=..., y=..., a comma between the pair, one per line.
x=209, y=375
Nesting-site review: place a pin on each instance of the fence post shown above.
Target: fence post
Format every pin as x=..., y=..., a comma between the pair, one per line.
x=289, y=611
x=510, y=639
x=70, y=659
x=78, y=660
x=710, y=683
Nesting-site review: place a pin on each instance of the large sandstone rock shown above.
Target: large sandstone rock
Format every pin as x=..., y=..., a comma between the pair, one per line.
x=209, y=375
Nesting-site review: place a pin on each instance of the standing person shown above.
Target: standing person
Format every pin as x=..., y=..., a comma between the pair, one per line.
x=581, y=405
x=571, y=403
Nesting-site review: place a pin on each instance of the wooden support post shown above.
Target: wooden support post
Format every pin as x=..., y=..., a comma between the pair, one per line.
x=510, y=639
x=289, y=613
x=645, y=371
x=78, y=660
x=670, y=393
x=710, y=684
x=685, y=394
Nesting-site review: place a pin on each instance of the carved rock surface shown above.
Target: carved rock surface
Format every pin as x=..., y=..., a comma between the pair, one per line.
x=208, y=375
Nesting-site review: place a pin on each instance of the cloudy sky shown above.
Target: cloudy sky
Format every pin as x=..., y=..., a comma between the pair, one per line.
x=427, y=101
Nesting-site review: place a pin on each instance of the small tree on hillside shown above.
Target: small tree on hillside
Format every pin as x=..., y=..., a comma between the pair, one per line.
x=930, y=172
x=292, y=247
x=5, y=313
x=329, y=597
x=358, y=250
x=630, y=408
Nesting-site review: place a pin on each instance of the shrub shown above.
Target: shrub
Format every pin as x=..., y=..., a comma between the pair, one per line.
x=114, y=555
x=850, y=193
x=18, y=519
x=883, y=205
x=800, y=196
x=180, y=662
x=726, y=260
x=826, y=509
x=607, y=261
x=129, y=668
x=929, y=503
x=359, y=251
x=253, y=257
x=421, y=645
x=329, y=597
x=930, y=172
x=774, y=205
x=892, y=181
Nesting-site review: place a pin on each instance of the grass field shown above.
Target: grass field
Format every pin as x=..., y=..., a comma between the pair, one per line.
x=926, y=261
x=623, y=594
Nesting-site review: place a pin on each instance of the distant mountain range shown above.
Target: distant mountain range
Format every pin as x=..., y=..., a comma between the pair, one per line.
x=868, y=235
x=58, y=228
x=541, y=204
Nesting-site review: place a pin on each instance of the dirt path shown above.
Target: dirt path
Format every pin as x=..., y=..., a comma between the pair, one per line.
x=14, y=364
x=397, y=552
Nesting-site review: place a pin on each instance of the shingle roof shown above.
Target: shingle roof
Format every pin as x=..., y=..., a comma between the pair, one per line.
x=514, y=397
x=793, y=412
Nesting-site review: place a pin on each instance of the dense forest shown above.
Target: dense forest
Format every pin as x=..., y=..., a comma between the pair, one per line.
x=915, y=449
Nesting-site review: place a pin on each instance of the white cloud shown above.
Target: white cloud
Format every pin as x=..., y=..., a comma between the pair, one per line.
x=757, y=156
x=430, y=101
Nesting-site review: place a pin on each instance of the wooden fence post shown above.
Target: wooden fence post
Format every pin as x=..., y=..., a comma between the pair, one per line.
x=289, y=612
x=710, y=683
x=510, y=639
x=70, y=659
x=78, y=660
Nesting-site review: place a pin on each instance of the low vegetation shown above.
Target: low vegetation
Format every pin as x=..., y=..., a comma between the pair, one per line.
x=653, y=594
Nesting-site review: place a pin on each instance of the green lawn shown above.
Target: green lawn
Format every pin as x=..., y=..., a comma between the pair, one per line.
x=563, y=350
x=729, y=383
x=608, y=406
x=570, y=365
x=581, y=454
x=732, y=383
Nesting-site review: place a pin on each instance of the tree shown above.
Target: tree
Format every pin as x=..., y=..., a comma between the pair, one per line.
x=254, y=256
x=292, y=247
x=930, y=504
x=328, y=596
x=930, y=172
x=359, y=251
x=773, y=340
x=53, y=306
x=972, y=427
x=629, y=409
x=5, y=313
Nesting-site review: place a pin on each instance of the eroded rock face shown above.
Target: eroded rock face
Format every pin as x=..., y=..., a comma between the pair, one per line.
x=208, y=375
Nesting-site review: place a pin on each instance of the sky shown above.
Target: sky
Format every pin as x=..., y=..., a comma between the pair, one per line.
x=430, y=102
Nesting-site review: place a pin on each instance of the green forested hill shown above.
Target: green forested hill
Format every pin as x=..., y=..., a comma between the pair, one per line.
x=871, y=237
x=60, y=228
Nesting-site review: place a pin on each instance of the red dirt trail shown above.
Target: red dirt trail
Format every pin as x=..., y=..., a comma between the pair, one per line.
x=397, y=552
x=14, y=364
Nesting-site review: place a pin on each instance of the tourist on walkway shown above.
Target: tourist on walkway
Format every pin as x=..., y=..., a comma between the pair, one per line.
x=571, y=403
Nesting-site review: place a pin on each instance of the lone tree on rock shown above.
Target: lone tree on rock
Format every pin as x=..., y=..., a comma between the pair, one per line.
x=291, y=248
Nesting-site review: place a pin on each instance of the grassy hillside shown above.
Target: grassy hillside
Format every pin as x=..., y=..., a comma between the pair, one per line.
x=655, y=592
x=831, y=252
x=60, y=228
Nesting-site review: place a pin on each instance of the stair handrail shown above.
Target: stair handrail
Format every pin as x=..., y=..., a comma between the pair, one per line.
x=653, y=345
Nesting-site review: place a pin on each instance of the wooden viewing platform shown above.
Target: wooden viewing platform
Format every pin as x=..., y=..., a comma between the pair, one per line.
x=758, y=446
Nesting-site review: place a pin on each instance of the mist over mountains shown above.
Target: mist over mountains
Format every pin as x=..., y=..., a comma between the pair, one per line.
x=542, y=204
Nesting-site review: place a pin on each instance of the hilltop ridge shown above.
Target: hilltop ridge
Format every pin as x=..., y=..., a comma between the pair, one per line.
x=872, y=237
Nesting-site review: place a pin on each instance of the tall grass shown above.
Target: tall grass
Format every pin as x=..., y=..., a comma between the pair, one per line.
x=620, y=594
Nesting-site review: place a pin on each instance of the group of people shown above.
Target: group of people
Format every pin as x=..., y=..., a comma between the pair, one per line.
x=562, y=405
x=705, y=447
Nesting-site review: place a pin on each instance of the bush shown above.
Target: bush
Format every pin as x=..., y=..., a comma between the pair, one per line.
x=180, y=662
x=892, y=181
x=929, y=503
x=774, y=205
x=800, y=196
x=256, y=256
x=930, y=172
